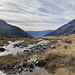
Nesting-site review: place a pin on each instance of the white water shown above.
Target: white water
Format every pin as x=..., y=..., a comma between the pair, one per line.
x=10, y=49
x=1, y=73
x=11, y=45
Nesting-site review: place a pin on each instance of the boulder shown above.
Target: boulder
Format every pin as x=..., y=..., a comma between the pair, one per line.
x=2, y=49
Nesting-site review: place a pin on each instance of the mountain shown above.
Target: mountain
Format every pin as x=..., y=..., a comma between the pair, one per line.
x=65, y=29
x=11, y=30
x=39, y=33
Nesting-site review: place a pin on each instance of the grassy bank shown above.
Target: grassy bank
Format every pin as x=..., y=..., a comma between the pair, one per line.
x=10, y=60
x=61, y=59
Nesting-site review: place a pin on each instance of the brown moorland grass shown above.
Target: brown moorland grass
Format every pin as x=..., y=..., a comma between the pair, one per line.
x=11, y=60
x=58, y=61
x=61, y=59
x=4, y=40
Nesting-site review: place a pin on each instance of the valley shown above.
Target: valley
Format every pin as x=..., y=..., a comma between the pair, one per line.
x=37, y=37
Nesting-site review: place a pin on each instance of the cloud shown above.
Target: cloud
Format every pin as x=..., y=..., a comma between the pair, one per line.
x=37, y=14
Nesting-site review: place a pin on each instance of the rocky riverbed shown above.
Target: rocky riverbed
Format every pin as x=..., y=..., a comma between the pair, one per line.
x=31, y=65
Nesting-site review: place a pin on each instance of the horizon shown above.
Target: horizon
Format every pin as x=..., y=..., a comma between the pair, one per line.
x=37, y=15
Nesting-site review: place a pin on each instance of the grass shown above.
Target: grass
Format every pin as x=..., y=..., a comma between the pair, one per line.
x=4, y=40
x=11, y=60
x=37, y=74
x=61, y=59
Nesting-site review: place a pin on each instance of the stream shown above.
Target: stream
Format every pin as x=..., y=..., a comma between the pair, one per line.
x=1, y=73
x=37, y=70
x=10, y=49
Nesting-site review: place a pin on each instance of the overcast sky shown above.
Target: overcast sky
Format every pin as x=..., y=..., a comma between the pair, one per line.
x=37, y=14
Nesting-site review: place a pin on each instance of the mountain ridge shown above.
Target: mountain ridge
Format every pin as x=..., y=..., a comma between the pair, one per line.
x=39, y=33
x=65, y=29
x=8, y=29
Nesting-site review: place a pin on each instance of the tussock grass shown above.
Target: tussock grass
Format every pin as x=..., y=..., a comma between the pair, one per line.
x=4, y=40
x=37, y=74
x=61, y=59
x=11, y=60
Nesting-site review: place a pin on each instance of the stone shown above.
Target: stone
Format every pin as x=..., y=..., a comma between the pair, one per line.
x=2, y=49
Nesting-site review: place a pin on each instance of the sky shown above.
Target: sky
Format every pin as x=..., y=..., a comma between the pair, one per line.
x=37, y=14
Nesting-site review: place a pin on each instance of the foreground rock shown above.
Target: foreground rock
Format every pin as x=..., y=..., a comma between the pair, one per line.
x=2, y=49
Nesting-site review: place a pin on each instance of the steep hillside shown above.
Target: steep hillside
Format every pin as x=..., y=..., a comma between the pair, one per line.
x=65, y=29
x=10, y=30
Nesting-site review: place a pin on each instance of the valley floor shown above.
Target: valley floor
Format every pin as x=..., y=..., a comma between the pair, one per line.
x=49, y=55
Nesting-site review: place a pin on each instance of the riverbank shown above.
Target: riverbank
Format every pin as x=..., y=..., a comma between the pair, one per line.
x=19, y=58
x=48, y=55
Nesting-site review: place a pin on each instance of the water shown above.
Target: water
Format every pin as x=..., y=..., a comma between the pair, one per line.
x=1, y=73
x=10, y=49
x=37, y=70
x=11, y=45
